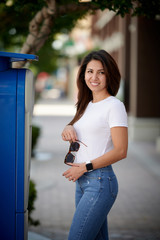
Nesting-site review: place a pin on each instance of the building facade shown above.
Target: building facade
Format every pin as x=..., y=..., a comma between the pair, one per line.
x=134, y=44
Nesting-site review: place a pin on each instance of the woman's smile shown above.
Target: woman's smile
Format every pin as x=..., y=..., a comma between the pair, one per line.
x=94, y=83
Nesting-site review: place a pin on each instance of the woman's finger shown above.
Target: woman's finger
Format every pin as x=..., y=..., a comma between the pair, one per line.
x=66, y=137
x=69, y=134
x=73, y=136
x=73, y=164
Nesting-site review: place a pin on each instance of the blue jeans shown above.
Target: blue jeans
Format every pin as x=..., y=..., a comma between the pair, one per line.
x=96, y=192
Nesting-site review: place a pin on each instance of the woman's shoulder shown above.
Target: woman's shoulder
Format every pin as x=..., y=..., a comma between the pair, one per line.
x=115, y=105
x=114, y=101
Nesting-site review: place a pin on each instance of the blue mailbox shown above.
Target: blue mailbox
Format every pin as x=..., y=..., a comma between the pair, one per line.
x=16, y=107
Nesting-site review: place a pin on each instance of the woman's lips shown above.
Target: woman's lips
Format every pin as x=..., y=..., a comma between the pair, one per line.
x=94, y=83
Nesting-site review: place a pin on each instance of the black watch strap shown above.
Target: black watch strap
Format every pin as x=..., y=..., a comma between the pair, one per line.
x=89, y=167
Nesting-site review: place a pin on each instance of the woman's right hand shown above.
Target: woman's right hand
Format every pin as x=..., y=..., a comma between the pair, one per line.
x=69, y=134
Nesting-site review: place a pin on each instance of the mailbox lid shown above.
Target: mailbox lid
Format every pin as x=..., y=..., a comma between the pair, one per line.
x=15, y=57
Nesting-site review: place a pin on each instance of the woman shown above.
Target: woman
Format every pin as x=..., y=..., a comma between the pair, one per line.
x=100, y=127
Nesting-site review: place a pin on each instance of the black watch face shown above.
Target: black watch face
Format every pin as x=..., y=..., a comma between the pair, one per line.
x=89, y=166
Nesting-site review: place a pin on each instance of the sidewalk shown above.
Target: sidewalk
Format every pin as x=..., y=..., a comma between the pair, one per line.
x=35, y=236
x=136, y=213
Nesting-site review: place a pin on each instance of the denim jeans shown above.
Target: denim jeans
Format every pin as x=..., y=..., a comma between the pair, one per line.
x=96, y=192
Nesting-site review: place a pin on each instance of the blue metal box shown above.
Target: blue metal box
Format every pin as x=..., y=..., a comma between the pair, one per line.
x=16, y=106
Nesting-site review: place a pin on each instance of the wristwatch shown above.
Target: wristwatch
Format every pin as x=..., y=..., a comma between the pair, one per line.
x=89, y=167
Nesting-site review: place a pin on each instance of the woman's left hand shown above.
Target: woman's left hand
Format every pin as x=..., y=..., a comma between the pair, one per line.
x=75, y=172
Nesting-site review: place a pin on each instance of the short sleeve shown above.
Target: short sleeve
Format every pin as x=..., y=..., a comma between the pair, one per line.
x=117, y=115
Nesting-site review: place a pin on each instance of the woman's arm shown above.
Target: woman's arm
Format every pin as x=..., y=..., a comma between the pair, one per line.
x=120, y=143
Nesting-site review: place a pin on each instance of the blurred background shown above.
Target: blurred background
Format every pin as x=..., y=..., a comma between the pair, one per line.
x=61, y=33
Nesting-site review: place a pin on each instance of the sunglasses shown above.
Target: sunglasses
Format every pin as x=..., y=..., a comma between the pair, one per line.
x=74, y=147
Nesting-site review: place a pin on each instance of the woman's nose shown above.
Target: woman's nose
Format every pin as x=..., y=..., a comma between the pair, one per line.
x=94, y=76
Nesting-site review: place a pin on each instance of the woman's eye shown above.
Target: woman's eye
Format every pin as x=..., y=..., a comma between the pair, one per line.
x=90, y=71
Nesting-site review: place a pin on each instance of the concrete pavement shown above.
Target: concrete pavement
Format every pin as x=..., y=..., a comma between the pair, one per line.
x=136, y=213
x=36, y=236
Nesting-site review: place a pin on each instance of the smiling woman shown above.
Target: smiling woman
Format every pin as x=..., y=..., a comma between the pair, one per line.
x=101, y=123
x=111, y=78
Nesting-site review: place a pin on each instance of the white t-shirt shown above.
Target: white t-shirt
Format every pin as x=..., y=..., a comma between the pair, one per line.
x=93, y=128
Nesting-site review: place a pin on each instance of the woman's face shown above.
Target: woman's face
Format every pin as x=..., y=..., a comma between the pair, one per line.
x=95, y=77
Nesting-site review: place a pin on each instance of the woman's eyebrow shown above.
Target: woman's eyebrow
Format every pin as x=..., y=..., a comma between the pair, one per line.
x=101, y=69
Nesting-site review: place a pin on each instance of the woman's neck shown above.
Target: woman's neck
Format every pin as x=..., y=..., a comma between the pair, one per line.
x=99, y=97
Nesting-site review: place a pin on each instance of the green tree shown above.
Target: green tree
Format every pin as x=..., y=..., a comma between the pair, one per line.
x=32, y=23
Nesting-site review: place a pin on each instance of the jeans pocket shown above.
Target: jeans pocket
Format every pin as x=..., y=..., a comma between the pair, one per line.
x=91, y=183
x=95, y=174
x=113, y=185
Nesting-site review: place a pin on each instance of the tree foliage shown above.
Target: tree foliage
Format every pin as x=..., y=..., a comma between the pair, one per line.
x=32, y=23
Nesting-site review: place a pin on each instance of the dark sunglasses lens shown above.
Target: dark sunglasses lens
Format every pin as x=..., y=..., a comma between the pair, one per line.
x=74, y=146
x=69, y=158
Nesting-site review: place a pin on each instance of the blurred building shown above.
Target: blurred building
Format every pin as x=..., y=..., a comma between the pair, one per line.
x=134, y=44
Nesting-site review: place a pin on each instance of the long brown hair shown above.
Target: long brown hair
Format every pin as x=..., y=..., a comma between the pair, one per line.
x=84, y=93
